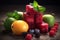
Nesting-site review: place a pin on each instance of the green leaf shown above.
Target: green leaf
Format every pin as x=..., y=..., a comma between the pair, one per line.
x=36, y=8
x=13, y=14
x=42, y=9
x=35, y=3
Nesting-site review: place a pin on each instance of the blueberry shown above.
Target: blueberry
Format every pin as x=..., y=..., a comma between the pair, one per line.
x=37, y=33
x=31, y=31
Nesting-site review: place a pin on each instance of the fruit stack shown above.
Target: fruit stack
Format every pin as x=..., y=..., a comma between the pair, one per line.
x=32, y=22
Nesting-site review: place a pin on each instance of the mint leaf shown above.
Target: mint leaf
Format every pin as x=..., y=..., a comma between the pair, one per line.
x=10, y=14
x=35, y=5
x=42, y=9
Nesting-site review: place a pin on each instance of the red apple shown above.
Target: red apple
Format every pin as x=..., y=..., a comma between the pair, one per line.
x=52, y=33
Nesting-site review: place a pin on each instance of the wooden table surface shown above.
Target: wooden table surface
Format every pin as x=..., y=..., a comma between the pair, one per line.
x=9, y=8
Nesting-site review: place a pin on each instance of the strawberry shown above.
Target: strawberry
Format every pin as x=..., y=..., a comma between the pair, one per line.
x=38, y=18
x=29, y=19
x=44, y=27
x=51, y=33
x=28, y=37
x=30, y=9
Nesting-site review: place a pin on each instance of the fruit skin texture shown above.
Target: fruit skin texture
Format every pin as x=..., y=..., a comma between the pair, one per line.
x=56, y=25
x=30, y=9
x=28, y=37
x=31, y=31
x=29, y=19
x=49, y=19
x=19, y=26
x=44, y=27
x=39, y=18
x=37, y=33
x=8, y=22
x=54, y=29
x=51, y=33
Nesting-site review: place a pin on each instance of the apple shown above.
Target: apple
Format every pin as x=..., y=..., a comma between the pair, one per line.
x=48, y=18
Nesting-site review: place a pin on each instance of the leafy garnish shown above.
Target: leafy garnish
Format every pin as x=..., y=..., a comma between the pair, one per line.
x=13, y=14
x=42, y=9
x=37, y=8
x=10, y=14
x=35, y=5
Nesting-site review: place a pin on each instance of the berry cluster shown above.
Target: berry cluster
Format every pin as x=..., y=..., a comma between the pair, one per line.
x=36, y=24
x=37, y=32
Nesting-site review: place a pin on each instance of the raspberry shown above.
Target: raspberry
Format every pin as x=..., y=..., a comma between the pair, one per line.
x=51, y=33
x=53, y=29
x=56, y=25
x=44, y=27
x=28, y=37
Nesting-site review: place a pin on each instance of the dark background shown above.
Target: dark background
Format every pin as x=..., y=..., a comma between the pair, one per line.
x=22, y=2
